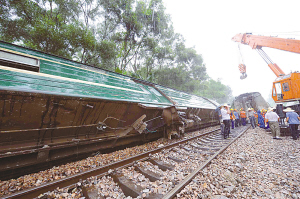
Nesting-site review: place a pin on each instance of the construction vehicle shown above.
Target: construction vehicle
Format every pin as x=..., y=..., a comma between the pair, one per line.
x=286, y=86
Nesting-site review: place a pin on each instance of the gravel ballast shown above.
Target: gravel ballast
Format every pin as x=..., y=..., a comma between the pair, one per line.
x=256, y=166
x=59, y=172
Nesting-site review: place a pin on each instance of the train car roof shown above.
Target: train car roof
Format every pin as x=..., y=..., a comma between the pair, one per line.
x=60, y=76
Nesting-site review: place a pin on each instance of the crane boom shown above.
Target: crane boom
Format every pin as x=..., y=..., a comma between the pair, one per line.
x=285, y=87
x=256, y=42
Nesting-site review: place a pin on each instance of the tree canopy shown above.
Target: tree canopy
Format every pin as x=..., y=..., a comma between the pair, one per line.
x=132, y=37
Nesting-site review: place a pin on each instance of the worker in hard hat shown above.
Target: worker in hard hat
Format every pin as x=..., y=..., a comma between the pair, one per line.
x=243, y=116
x=232, y=118
x=225, y=114
x=237, y=118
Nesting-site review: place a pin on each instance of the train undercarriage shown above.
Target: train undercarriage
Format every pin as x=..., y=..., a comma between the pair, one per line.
x=40, y=129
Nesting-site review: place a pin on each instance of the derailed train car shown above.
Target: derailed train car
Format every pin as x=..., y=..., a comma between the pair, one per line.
x=53, y=108
x=250, y=100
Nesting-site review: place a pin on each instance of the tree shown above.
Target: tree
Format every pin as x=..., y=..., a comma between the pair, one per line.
x=50, y=26
x=216, y=90
x=133, y=37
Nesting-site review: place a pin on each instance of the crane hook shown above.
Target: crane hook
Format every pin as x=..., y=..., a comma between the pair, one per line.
x=242, y=68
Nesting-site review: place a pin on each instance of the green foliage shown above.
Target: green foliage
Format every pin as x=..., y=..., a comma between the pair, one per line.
x=131, y=37
x=215, y=90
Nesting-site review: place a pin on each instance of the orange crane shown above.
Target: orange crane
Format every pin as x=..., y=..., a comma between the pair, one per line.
x=286, y=88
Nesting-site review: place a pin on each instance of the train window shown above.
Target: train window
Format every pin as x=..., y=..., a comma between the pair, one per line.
x=285, y=86
x=19, y=61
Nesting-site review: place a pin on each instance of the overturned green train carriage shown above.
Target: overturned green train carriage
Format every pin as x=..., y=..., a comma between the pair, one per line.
x=53, y=108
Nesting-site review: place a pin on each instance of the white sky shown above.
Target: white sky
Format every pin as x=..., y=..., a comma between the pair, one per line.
x=209, y=25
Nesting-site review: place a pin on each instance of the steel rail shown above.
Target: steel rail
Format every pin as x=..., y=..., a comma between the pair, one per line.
x=67, y=181
x=192, y=175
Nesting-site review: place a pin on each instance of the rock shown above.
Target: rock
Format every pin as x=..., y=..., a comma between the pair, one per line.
x=229, y=176
x=242, y=159
x=219, y=197
x=110, y=171
x=277, y=195
x=268, y=191
x=38, y=182
x=64, y=194
x=239, y=166
x=231, y=189
x=146, y=190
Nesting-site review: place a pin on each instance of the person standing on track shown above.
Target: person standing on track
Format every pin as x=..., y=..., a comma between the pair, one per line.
x=232, y=118
x=225, y=114
x=243, y=116
x=273, y=119
x=261, y=120
x=293, y=119
x=256, y=117
x=237, y=118
x=264, y=112
x=251, y=117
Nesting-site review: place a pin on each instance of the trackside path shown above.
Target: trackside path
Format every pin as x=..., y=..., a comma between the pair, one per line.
x=255, y=166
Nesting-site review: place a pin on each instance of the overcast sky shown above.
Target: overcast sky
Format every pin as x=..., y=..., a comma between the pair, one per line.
x=209, y=25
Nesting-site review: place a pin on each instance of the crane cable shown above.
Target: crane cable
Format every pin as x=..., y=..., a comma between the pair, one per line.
x=242, y=66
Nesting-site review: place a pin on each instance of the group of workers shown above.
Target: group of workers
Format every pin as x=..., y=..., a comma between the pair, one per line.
x=233, y=116
x=261, y=118
x=240, y=118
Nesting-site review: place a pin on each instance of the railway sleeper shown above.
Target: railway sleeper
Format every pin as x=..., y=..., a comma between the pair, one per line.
x=148, y=174
x=161, y=165
x=204, y=141
x=219, y=139
x=187, y=149
x=214, y=138
x=127, y=186
x=195, y=146
x=205, y=147
x=131, y=189
x=176, y=159
x=214, y=145
x=213, y=142
x=91, y=193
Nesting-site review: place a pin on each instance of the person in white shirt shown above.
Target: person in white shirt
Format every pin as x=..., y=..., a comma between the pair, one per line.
x=225, y=114
x=273, y=118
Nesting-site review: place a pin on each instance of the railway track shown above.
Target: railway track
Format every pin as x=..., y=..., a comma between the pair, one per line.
x=160, y=173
